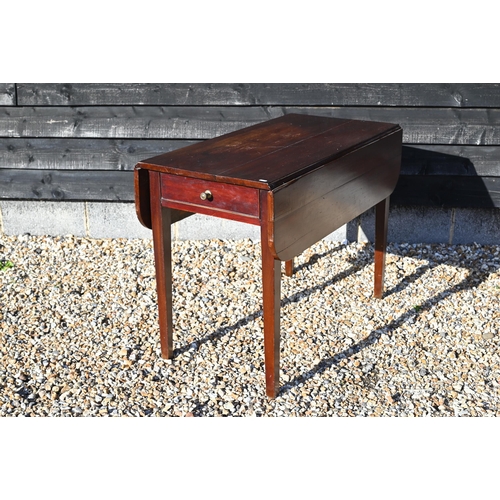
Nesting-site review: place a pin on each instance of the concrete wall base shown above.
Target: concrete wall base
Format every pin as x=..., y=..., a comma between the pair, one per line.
x=119, y=220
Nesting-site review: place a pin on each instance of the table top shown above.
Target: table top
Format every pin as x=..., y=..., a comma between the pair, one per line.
x=272, y=153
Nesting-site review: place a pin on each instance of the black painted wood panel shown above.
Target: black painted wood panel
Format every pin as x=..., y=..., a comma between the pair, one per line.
x=83, y=135
x=66, y=185
x=7, y=94
x=447, y=191
x=450, y=160
x=476, y=126
x=251, y=94
x=144, y=122
x=80, y=185
x=82, y=154
x=123, y=154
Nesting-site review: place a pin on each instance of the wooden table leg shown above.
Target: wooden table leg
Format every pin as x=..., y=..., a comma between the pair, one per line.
x=289, y=267
x=162, y=241
x=381, y=220
x=271, y=286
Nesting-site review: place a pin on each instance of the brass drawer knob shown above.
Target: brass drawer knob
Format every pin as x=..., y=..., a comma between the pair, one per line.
x=206, y=195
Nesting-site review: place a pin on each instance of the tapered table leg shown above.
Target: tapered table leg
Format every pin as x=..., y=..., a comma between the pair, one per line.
x=271, y=285
x=289, y=267
x=381, y=220
x=161, y=220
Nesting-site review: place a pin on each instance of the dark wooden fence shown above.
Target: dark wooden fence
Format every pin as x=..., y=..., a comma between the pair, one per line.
x=81, y=141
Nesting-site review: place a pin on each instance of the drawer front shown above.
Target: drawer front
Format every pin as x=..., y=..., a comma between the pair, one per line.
x=196, y=194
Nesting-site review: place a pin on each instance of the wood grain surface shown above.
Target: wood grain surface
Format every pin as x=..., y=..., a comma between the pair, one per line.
x=411, y=190
x=251, y=94
x=142, y=194
x=124, y=154
x=271, y=154
x=471, y=126
x=271, y=298
x=162, y=243
x=450, y=130
x=325, y=199
x=226, y=200
x=67, y=185
x=82, y=154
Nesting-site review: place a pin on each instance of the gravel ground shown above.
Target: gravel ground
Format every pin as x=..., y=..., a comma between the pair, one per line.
x=79, y=333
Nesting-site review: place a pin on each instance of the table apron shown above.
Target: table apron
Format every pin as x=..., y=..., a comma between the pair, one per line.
x=224, y=200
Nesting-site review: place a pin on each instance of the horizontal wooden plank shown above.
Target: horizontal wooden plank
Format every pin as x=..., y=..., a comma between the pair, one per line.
x=7, y=94
x=472, y=161
x=123, y=154
x=427, y=125
x=82, y=154
x=420, y=126
x=145, y=122
x=230, y=94
x=74, y=185
x=68, y=185
x=447, y=191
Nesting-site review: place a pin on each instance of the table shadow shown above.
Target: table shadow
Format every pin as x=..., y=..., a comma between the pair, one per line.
x=296, y=297
x=474, y=279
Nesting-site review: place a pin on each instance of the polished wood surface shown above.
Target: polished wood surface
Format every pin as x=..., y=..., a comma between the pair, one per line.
x=298, y=177
x=271, y=291
x=381, y=220
x=272, y=153
x=142, y=197
x=142, y=200
x=228, y=201
x=161, y=220
x=325, y=199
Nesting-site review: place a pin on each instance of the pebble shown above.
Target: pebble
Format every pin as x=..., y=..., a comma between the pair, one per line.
x=79, y=331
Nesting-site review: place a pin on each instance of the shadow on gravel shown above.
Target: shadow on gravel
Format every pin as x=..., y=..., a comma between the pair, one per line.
x=474, y=279
x=302, y=294
x=296, y=297
x=314, y=258
x=410, y=279
x=199, y=409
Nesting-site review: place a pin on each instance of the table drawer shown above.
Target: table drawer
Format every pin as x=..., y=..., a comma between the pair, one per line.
x=209, y=196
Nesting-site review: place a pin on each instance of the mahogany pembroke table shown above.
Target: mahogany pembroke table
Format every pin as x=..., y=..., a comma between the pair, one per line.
x=298, y=177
